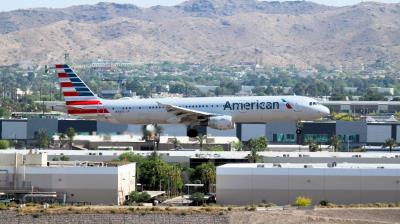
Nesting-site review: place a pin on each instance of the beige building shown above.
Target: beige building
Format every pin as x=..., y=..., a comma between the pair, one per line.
x=345, y=183
x=74, y=181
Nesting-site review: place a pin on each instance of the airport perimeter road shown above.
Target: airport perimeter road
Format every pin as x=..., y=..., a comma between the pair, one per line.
x=317, y=216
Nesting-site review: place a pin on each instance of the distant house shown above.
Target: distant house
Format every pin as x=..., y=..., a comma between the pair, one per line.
x=206, y=89
x=382, y=90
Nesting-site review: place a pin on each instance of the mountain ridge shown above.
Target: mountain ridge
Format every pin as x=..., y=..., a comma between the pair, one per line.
x=206, y=31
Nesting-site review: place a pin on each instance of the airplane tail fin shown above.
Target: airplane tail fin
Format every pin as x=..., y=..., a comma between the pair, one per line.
x=79, y=99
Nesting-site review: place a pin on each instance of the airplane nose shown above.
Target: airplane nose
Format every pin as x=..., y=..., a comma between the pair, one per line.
x=324, y=111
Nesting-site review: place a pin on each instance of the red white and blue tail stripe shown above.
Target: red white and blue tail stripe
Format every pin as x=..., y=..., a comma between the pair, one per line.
x=79, y=99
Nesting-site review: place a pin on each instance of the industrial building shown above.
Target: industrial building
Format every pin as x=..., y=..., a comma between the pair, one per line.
x=32, y=176
x=196, y=157
x=135, y=142
x=340, y=183
x=363, y=107
x=354, y=134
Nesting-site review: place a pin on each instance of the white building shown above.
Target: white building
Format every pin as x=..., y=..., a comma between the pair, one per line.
x=245, y=184
x=73, y=181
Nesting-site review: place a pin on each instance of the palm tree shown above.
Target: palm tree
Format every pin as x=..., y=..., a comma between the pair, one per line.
x=201, y=139
x=42, y=139
x=207, y=172
x=312, y=146
x=70, y=134
x=390, y=143
x=158, y=131
x=335, y=142
x=253, y=157
x=176, y=143
x=62, y=138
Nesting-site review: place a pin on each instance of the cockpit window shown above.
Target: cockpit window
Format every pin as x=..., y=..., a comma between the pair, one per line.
x=313, y=103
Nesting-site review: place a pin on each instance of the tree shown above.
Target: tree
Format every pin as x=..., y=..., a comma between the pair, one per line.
x=131, y=157
x=201, y=139
x=158, y=131
x=175, y=180
x=4, y=144
x=63, y=140
x=42, y=139
x=253, y=156
x=4, y=113
x=197, y=198
x=259, y=144
x=176, y=143
x=390, y=143
x=206, y=173
x=70, y=134
x=138, y=197
x=238, y=145
x=312, y=146
x=153, y=172
x=335, y=142
x=64, y=158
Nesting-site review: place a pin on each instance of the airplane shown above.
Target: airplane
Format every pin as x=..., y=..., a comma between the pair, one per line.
x=221, y=113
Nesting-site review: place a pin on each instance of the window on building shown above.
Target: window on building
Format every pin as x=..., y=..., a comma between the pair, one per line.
x=318, y=138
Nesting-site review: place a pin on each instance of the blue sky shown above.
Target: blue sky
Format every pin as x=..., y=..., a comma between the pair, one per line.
x=7, y=5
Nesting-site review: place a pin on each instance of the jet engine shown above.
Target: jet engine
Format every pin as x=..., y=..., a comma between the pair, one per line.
x=221, y=122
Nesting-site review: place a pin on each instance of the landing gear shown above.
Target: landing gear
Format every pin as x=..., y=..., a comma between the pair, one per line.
x=192, y=133
x=299, y=128
x=196, y=130
x=299, y=132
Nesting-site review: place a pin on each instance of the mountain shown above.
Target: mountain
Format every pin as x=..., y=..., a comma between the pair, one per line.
x=205, y=31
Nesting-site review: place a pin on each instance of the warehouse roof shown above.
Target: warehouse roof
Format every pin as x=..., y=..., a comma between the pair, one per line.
x=313, y=165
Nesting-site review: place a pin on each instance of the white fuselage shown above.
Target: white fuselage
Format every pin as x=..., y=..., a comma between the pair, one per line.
x=249, y=109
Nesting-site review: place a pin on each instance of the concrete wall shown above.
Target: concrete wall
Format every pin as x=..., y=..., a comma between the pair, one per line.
x=34, y=125
x=109, y=128
x=252, y=131
x=218, y=133
x=14, y=129
x=378, y=133
x=245, y=186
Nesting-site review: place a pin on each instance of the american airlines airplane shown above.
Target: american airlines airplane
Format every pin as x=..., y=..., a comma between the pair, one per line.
x=215, y=112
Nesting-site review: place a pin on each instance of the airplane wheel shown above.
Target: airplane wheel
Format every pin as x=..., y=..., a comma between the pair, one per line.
x=192, y=133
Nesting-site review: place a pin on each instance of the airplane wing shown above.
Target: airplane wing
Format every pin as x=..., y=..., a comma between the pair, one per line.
x=185, y=115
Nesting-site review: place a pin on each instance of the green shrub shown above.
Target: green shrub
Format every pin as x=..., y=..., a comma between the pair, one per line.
x=3, y=207
x=36, y=215
x=303, y=201
x=138, y=197
x=4, y=144
x=324, y=203
x=197, y=198
x=64, y=158
x=229, y=208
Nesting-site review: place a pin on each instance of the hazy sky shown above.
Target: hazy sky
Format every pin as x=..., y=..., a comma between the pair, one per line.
x=7, y=5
